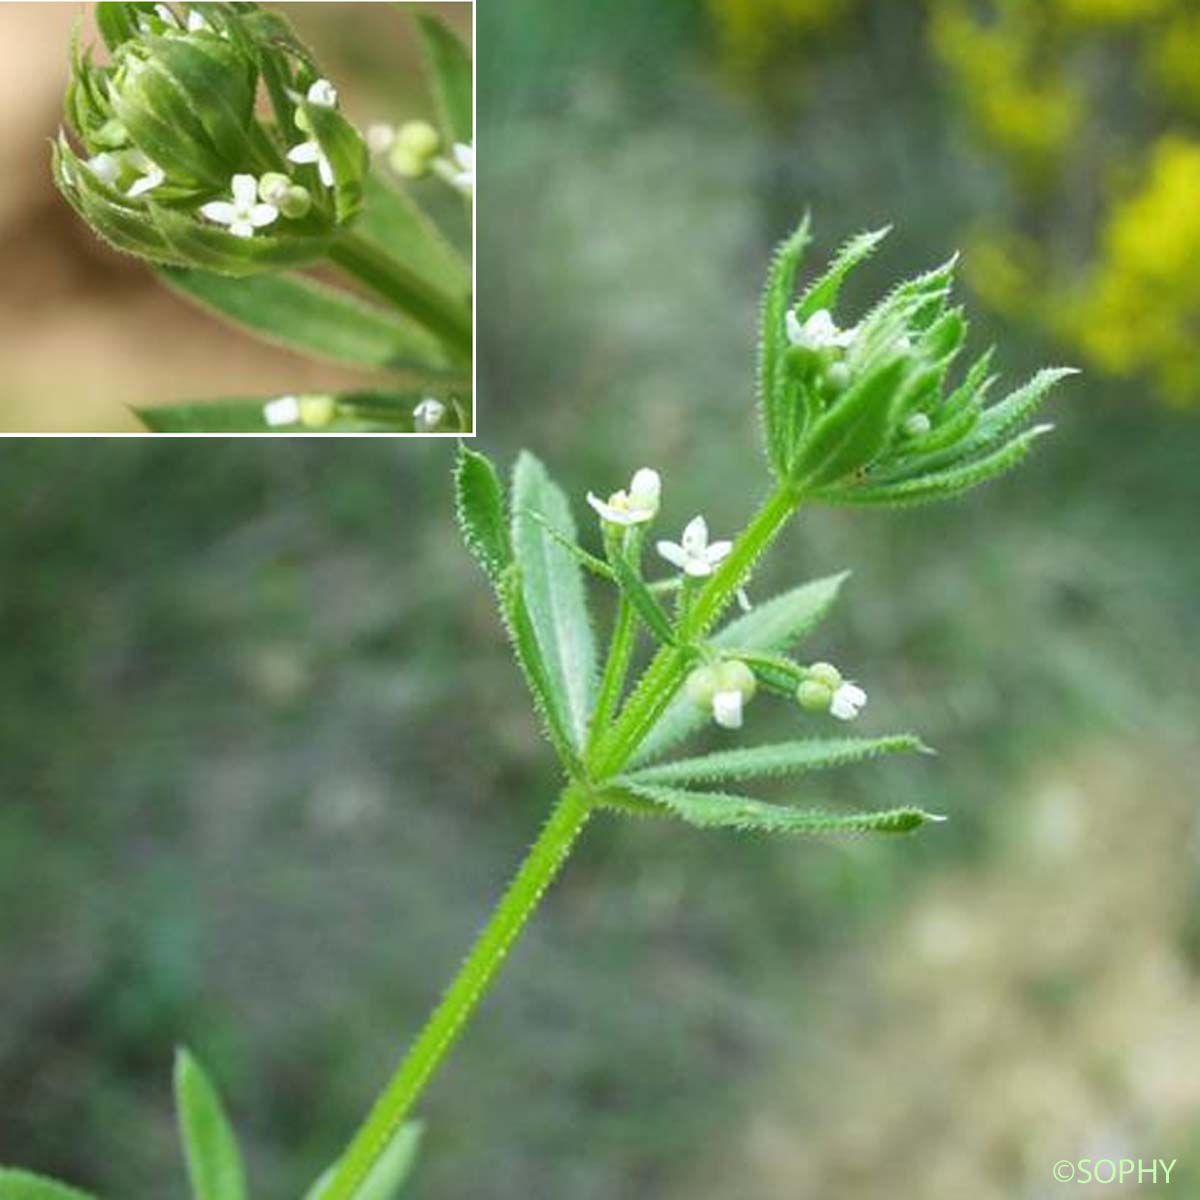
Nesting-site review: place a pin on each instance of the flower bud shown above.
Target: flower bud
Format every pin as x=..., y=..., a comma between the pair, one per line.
x=317, y=411
x=416, y=146
x=158, y=137
x=428, y=415
x=813, y=696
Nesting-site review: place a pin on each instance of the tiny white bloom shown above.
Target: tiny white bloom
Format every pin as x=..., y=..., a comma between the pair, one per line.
x=245, y=214
x=463, y=177
x=428, y=415
x=284, y=411
x=152, y=175
x=381, y=137
x=848, y=700
x=727, y=709
x=693, y=554
x=106, y=167
x=197, y=24
x=818, y=332
x=311, y=152
x=323, y=94
x=633, y=507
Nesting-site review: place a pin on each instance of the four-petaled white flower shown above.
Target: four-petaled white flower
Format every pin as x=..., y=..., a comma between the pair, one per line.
x=463, y=176
x=323, y=94
x=848, y=700
x=693, y=554
x=245, y=214
x=633, y=507
x=284, y=411
x=818, y=332
x=311, y=152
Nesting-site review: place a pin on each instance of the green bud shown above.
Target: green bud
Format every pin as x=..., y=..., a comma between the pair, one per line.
x=171, y=130
x=837, y=377
x=406, y=164
x=918, y=425
x=701, y=686
x=419, y=139
x=825, y=674
x=734, y=676
x=317, y=411
x=814, y=696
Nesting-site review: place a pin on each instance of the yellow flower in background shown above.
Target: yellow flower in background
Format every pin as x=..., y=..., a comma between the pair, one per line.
x=1172, y=58
x=1112, y=12
x=752, y=33
x=1141, y=311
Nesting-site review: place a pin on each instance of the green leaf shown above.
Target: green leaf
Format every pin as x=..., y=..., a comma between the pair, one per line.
x=719, y=810
x=357, y=412
x=554, y=593
x=394, y=220
x=589, y=562
x=774, y=625
x=941, y=485
x=390, y=1172
x=482, y=512
x=450, y=68
x=823, y=292
x=643, y=601
x=313, y=318
x=854, y=431
x=780, y=758
x=213, y=1159
x=346, y=151
x=779, y=412
x=22, y=1185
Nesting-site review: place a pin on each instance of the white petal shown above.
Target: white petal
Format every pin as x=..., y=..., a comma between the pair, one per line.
x=795, y=331
x=854, y=694
x=717, y=551
x=284, y=411
x=242, y=229
x=166, y=15
x=263, y=214
x=743, y=600
x=146, y=184
x=245, y=190
x=220, y=211
x=618, y=516
x=323, y=94
x=697, y=567
x=819, y=329
x=727, y=709
x=197, y=24
x=306, y=152
x=427, y=416
x=325, y=170
x=645, y=488
x=106, y=167
x=465, y=157
x=695, y=536
x=676, y=555
x=846, y=702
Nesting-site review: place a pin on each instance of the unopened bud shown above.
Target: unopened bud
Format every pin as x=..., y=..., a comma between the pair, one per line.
x=419, y=138
x=428, y=415
x=813, y=696
x=317, y=411
x=918, y=425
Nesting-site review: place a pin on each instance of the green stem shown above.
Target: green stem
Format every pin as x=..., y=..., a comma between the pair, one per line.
x=437, y=311
x=536, y=873
x=616, y=667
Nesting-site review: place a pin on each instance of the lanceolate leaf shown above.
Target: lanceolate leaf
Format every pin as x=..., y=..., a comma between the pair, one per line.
x=213, y=1159
x=554, y=593
x=313, y=318
x=944, y=484
x=782, y=758
x=394, y=220
x=718, y=810
x=482, y=512
x=643, y=601
x=823, y=292
x=775, y=625
x=780, y=416
x=21, y=1185
x=450, y=66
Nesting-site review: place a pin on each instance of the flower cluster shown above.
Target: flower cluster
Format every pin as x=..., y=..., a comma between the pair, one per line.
x=165, y=153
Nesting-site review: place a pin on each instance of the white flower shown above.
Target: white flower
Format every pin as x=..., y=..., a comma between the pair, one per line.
x=245, y=214
x=693, y=554
x=727, y=709
x=311, y=152
x=106, y=167
x=323, y=94
x=284, y=411
x=633, y=507
x=818, y=332
x=463, y=176
x=848, y=700
x=428, y=415
x=152, y=175
x=197, y=24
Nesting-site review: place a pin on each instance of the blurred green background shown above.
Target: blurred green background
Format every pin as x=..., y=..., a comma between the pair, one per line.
x=265, y=762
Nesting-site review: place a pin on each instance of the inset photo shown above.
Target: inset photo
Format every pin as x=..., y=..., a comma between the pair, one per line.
x=237, y=218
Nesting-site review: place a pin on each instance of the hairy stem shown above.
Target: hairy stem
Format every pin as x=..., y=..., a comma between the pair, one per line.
x=390, y=278
x=541, y=865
